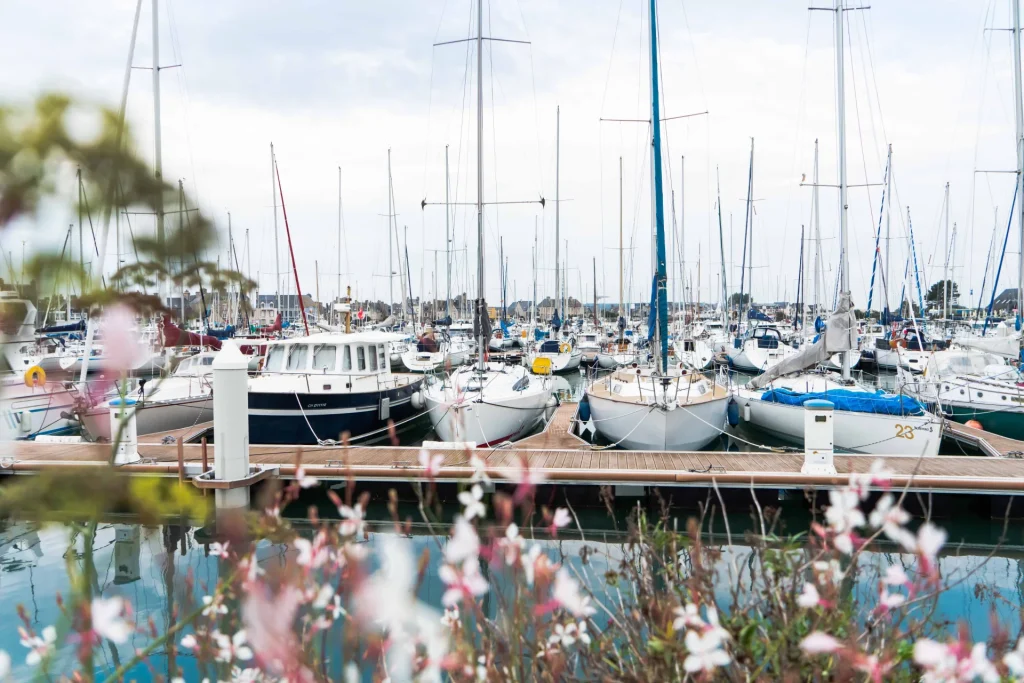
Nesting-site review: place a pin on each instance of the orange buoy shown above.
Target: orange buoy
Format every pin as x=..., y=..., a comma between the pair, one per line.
x=974, y=424
x=35, y=377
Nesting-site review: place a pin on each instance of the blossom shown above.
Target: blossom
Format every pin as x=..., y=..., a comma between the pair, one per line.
x=39, y=647
x=874, y=667
x=471, y=500
x=844, y=543
x=219, y=549
x=843, y=513
x=561, y=518
x=269, y=620
x=819, y=643
x=953, y=662
x=305, y=481
x=313, y=554
x=230, y=649
x=566, y=592
x=214, y=606
x=895, y=576
x=189, y=642
x=888, y=601
x=323, y=596
x=121, y=348
x=931, y=655
x=1014, y=659
x=530, y=560
x=527, y=479
x=451, y=617
x=464, y=543
x=467, y=582
x=687, y=616
x=810, y=598
x=108, y=619
x=352, y=521
x=877, y=475
x=479, y=470
x=431, y=463
x=705, y=652
x=564, y=635
x=888, y=516
x=930, y=540
x=5, y=665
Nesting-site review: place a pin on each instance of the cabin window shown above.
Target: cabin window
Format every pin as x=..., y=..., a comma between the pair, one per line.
x=373, y=358
x=275, y=359
x=324, y=357
x=381, y=357
x=346, y=359
x=207, y=360
x=297, y=358
x=361, y=358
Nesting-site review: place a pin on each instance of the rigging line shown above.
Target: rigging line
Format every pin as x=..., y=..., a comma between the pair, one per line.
x=430, y=100
x=494, y=134
x=182, y=79
x=533, y=84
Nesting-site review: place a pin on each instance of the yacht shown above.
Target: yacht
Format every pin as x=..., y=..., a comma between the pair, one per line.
x=762, y=348
x=447, y=353
x=555, y=356
x=314, y=389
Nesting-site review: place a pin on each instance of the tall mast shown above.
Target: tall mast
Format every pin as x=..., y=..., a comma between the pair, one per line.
x=181, y=216
x=888, y=205
x=595, y=293
x=480, y=305
x=622, y=302
x=558, y=283
x=339, y=234
x=721, y=247
x=81, y=241
x=815, y=215
x=277, y=248
x=158, y=159
x=533, y=312
x=945, y=264
x=844, y=271
x=659, y=203
x=447, y=239
x=1018, y=109
x=391, y=246
x=682, y=230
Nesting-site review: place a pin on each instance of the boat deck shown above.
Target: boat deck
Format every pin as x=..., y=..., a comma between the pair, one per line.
x=988, y=443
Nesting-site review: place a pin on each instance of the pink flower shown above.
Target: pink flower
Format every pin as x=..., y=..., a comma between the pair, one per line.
x=926, y=545
x=108, y=619
x=431, y=463
x=219, y=549
x=810, y=597
x=527, y=479
x=121, y=349
x=872, y=666
x=269, y=625
x=464, y=543
x=888, y=601
x=895, y=576
x=465, y=583
x=303, y=480
x=818, y=643
x=561, y=518
x=566, y=592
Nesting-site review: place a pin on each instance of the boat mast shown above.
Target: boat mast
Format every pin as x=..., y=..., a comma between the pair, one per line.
x=533, y=313
x=945, y=264
x=558, y=282
x=1018, y=109
x=391, y=246
x=659, y=204
x=277, y=248
x=339, y=235
x=682, y=232
x=622, y=302
x=721, y=247
x=481, y=307
x=844, y=271
x=888, y=216
x=158, y=159
x=816, y=215
x=447, y=239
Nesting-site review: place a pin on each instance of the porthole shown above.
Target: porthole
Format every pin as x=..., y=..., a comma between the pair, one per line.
x=980, y=394
x=947, y=387
x=1003, y=397
x=961, y=392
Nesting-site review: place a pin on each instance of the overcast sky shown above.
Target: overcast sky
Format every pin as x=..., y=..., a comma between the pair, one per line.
x=337, y=83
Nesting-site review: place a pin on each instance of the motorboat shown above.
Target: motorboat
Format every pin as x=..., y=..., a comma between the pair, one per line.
x=762, y=348
x=445, y=354
x=555, y=356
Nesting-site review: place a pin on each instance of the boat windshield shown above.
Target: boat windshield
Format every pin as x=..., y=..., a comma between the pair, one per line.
x=966, y=363
x=297, y=357
x=275, y=359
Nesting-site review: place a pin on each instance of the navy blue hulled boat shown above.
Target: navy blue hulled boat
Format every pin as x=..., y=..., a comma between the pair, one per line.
x=313, y=389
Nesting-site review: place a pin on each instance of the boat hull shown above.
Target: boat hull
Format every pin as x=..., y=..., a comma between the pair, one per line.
x=484, y=423
x=637, y=427
x=153, y=417
x=27, y=412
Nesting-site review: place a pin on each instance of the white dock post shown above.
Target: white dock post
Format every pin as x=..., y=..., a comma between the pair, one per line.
x=231, y=423
x=123, y=410
x=818, y=439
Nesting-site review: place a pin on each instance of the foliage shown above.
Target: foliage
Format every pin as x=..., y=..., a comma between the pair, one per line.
x=738, y=299
x=937, y=292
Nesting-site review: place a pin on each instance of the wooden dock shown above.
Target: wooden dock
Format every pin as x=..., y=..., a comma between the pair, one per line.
x=988, y=443
x=560, y=457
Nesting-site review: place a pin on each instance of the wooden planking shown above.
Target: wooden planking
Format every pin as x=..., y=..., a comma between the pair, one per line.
x=185, y=433
x=989, y=443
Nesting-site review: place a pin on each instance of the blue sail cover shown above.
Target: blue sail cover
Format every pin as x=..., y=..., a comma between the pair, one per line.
x=538, y=334
x=63, y=329
x=754, y=314
x=653, y=317
x=556, y=322
x=225, y=333
x=504, y=327
x=878, y=403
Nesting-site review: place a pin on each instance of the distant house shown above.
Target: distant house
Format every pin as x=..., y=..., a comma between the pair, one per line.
x=1006, y=302
x=266, y=308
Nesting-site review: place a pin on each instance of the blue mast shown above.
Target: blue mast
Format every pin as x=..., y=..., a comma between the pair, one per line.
x=878, y=252
x=661, y=277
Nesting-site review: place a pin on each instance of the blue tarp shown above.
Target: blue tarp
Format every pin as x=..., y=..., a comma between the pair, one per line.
x=879, y=402
x=218, y=333
x=538, y=333
x=550, y=346
x=754, y=314
x=63, y=329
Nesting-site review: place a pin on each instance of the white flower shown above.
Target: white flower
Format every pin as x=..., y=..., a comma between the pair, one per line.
x=214, y=606
x=219, y=549
x=189, y=642
x=108, y=619
x=819, y=643
x=889, y=517
x=471, y=500
x=936, y=659
x=305, y=481
x=431, y=463
x=581, y=633
x=468, y=582
x=561, y=518
x=312, y=555
x=829, y=570
x=5, y=665
x=843, y=513
x=464, y=543
x=481, y=668
x=323, y=596
x=566, y=592
x=877, y=475
x=563, y=635
x=245, y=675
x=688, y=616
x=844, y=543
x=39, y=647
x=1014, y=659
x=230, y=649
x=887, y=600
x=930, y=540
x=895, y=576
x=451, y=616
x=705, y=651
x=809, y=597
x=479, y=470
x=351, y=520
x=979, y=666
x=529, y=562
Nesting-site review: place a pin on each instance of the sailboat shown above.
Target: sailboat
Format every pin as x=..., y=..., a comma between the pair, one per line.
x=486, y=403
x=866, y=420
x=658, y=407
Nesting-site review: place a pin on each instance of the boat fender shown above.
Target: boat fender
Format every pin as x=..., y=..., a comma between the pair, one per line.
x=746, y=413
x=35, y=376
x=417, y=400
x=733, y=413
x=737, y=343
x=583, y=411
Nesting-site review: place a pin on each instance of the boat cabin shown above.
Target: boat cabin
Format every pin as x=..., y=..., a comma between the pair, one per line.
x=329, y=354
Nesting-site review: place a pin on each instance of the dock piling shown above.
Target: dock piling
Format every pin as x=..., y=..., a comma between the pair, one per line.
x=124, y=428
x=818, y=438
x=231, y=424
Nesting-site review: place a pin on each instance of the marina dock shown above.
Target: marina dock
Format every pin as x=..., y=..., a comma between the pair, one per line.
x=561, y=457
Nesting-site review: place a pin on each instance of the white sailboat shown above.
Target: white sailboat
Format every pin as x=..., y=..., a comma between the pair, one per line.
x=487, y=403
x=658, y=407
x=866, y=420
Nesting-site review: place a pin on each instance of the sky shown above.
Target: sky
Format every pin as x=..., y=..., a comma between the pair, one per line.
x=337, y=84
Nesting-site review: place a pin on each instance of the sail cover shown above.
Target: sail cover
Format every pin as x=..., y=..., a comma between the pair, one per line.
x=840, y=335
x=1007, y=346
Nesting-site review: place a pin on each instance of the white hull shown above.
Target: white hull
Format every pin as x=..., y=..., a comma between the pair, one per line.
x=635, y=427
x=751, y=358
x=835, y=361
x=605, y=361
x=27, y=412
x=890, y=359
x=154, y=417
x=857, y=432
x=416, y=361
x=501, y=415
x=696, y=353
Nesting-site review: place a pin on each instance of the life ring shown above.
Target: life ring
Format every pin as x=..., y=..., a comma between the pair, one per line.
x=35, y=376
x=564, y=348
